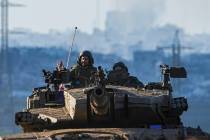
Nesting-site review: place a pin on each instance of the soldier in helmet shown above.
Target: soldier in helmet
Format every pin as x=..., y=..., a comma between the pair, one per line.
x=120, y=76
x=81, y=73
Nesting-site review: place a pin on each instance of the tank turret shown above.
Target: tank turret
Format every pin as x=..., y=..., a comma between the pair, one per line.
x=100, y=102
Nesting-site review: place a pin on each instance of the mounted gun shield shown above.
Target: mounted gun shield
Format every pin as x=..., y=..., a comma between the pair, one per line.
x=49, y=95
x=173, y=72
x=57, y=77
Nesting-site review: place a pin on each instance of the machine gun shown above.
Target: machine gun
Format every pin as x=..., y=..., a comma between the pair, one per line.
x=167, y=73
x=56, y=77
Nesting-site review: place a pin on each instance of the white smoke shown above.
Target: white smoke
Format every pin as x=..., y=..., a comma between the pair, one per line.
x=130, y=24
x=141, y=14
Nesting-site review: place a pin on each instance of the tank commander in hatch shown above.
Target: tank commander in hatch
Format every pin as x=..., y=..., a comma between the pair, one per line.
x=119, y=76
x=80, y=73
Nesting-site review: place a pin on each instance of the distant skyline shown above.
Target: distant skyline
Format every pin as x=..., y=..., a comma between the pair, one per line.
x=42, y=15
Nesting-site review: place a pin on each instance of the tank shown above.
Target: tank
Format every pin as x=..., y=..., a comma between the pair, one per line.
x=104, y=111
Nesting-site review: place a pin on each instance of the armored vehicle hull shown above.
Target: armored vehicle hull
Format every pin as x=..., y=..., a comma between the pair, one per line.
x=125, y=108
x=114, y=134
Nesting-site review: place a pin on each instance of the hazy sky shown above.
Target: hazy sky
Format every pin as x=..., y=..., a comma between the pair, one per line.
x=42, y=15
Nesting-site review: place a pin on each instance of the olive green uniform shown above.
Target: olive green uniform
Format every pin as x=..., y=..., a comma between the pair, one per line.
x=80, y=76
x=122, y=77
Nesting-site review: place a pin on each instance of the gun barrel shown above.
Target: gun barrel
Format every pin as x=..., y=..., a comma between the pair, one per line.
x=99, y=101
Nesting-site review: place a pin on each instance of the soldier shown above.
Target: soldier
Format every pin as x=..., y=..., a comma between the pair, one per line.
x=120, y=76
x=81, y=73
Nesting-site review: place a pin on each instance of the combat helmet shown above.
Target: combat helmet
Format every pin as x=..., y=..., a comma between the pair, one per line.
x=88, y=54
x=121, y=65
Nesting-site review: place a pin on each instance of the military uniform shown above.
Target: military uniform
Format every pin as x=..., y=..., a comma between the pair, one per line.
x=132, y=81
x=80, y=75
x=120, y=76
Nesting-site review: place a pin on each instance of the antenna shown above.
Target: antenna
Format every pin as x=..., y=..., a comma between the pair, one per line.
x=70, y=48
